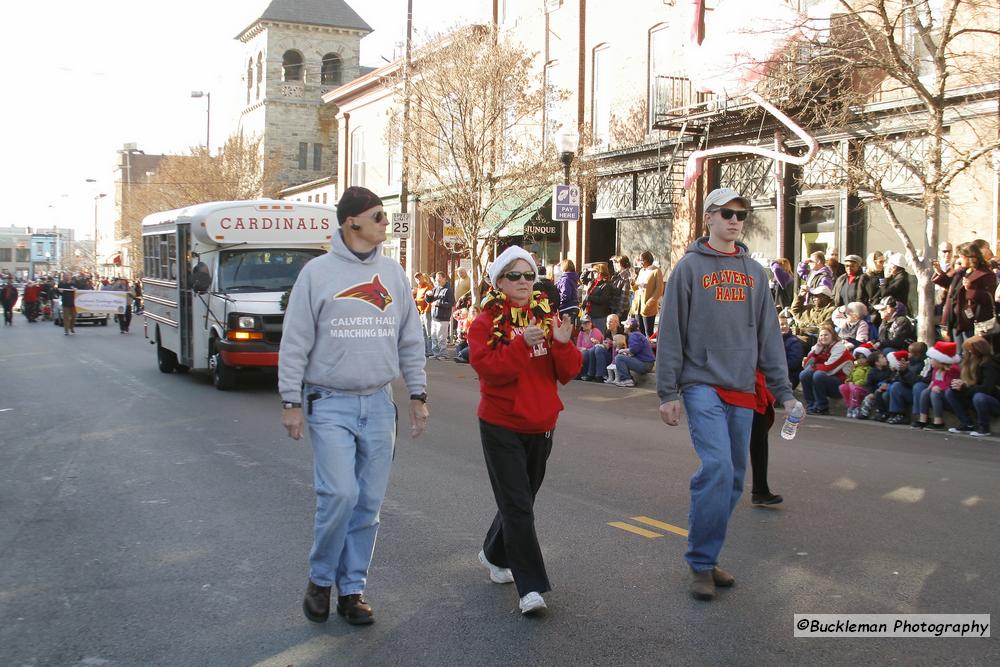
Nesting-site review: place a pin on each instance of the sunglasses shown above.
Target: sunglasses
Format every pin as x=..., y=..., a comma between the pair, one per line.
x=514, y=276
x=728, y=213
x=378, y=217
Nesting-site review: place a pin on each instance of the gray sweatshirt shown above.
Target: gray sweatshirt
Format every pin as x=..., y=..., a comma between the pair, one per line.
x=718, y=324
x=350, y=325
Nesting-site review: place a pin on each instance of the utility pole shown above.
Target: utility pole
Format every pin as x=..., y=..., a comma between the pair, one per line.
x=404, y=190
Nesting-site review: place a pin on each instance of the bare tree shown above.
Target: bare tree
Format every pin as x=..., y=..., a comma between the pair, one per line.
x=909, y=82
x=240, y=171
x=474, y=141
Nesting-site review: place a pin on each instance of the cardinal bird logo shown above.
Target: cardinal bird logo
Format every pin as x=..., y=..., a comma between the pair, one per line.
x=372, y=292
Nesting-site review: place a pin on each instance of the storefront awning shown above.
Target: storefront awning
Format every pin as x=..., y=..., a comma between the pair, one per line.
x=517, y=214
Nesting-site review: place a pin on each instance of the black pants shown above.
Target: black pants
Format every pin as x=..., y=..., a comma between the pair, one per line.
x=758, y=453
x=8, y=314
x=516, y=464
x=125, y=319
x=646, y=324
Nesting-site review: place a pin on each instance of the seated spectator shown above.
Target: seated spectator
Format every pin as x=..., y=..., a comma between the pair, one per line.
x=814, y=273
x=825, y=368
x=975, y=388
x=851, y=285
x=851, y=323
x=896, y=331
x=462, y=347
x=897, y=281
x=853, y=390
x=944, y=369
x=794, y=350
x=619, y=342
x=811, y=313
x=597, y=359
x=588, y=337
x=876, y=386
x=907, y=381
x=636, y=358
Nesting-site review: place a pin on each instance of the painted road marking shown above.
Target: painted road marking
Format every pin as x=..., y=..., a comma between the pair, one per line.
x=635, y=529
x=661, y=525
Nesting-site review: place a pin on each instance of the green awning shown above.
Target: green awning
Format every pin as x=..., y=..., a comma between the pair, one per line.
x=522, y=214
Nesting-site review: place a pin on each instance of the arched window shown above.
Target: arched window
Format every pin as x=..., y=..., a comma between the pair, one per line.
x=260, y=72
x=291, y=66
x=249, y=79
x=331, y=69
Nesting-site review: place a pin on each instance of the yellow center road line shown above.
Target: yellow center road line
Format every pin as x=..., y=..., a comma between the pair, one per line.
x=634, y=529
x=661, y=525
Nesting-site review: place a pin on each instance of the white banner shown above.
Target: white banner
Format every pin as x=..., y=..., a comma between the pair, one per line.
x=105, y=301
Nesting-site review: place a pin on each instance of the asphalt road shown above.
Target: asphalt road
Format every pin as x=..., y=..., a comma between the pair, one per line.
x=148, y=519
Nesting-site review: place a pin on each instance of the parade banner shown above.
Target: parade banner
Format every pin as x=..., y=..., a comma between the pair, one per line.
x=105, y=301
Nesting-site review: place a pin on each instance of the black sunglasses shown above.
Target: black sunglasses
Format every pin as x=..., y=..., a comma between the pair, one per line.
x=728, y=213
x=378, y=217
x=514, y=276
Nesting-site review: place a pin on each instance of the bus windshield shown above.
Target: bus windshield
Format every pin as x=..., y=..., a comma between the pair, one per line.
x=262, y=270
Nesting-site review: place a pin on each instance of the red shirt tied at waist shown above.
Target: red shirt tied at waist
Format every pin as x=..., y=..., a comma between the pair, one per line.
x=517, y=383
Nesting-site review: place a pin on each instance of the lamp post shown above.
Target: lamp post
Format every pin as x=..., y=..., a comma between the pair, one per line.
x=96, y=197
x=208, y=118
x=568, y=142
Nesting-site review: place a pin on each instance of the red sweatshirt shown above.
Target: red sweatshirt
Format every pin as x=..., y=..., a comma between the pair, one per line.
x=517, y=384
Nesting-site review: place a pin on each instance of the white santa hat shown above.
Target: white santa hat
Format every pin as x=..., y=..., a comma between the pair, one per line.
x=898, y=359
x=505, y=259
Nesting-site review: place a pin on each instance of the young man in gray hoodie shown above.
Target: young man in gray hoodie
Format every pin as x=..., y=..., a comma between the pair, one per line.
x=351, y=327
x=718, y=325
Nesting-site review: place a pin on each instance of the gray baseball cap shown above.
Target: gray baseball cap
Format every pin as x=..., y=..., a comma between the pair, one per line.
x=722, y=196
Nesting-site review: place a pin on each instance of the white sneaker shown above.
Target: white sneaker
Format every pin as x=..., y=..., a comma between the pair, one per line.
x=498, y=575
x=531, y=603
x=626, y=383
x=980, y=434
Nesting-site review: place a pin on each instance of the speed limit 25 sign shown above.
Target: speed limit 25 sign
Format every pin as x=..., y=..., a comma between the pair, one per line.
x=402, y=223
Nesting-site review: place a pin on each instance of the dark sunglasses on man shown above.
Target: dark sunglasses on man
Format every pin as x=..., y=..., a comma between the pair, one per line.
x=514, y=276
x=728, y=213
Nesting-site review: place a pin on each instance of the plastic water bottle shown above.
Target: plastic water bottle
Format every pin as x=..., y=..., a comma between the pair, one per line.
x=791, y=424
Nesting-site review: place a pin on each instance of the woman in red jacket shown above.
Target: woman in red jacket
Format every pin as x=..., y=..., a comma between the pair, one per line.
x=519, y=348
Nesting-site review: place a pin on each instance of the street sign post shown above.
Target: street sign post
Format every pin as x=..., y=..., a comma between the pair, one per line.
x=565, y=202
x=402, y=224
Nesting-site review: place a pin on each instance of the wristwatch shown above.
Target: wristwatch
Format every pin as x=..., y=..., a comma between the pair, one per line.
x=419, y=397
x=288, y=405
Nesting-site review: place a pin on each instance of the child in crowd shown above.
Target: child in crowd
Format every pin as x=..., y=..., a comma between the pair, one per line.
x=910, y=374
x=853, y=389
x=944, y=368
x=468, y=316
x=618, y=343
x=877, y=384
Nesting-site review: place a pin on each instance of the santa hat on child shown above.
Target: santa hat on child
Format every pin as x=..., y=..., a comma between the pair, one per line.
x=898, y=359
x=944, y=352
x=865, y=349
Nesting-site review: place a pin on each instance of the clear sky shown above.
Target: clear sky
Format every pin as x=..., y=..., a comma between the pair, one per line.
x=83, y=78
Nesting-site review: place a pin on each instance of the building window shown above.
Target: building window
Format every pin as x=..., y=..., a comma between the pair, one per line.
x=659, y=64
x=303, y=155
x=317, y=157
x=551, y=121
x=331, y=71
x=358, y=157
x=291, y=66
x=5, y=254
x=22, y=255
x=260, y=72
x=249, y=79
x=601, y=95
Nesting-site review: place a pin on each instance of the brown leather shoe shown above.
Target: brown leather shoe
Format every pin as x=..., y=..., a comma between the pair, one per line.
x=722, y=578
x=355, y=610
x=702, y=585
x=316, y=604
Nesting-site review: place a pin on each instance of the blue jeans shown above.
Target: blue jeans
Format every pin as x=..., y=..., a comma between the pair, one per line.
x=352, y=439
x=596, y=360
x=625, y=365
x=918, y=391
x=720, y=434
x=818, y=388
x=957, y=403
x=986, y=407
x=900, y=396
x=932, y=403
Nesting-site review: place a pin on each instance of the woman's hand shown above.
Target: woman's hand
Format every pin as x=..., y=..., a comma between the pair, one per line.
x=563, y=331
x=533, y=334
x=957, y=384
x=936, y=390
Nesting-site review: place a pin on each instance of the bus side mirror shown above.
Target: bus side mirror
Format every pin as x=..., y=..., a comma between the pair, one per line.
x=201, y=277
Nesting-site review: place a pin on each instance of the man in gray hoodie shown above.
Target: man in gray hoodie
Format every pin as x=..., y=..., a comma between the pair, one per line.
x=351, y=327
x=718, y=325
